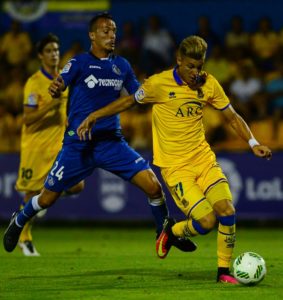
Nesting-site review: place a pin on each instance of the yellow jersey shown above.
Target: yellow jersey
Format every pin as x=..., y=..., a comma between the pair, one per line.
x=177, y=112
x=42, y=140
x=46, y=133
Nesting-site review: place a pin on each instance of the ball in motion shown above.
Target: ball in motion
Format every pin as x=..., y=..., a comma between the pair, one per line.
x=249, y=268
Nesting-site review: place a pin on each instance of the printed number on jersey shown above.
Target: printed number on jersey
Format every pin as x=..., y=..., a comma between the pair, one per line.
x=59, y=173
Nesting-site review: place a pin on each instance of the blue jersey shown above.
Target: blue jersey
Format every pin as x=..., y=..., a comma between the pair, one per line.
x=94, y=83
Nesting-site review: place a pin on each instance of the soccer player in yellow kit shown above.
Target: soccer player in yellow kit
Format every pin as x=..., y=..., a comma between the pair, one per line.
x=44, y=121
x=188, y=165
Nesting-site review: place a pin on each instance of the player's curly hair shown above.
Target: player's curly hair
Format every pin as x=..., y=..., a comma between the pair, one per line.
x=194, y=47
x=50, y=38
x=92, y=22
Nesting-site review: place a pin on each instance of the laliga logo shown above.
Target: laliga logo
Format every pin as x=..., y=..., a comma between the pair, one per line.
x=91, y=81
x=234, y=178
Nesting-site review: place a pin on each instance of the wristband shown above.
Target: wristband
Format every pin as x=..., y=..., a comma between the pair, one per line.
x=253, y=142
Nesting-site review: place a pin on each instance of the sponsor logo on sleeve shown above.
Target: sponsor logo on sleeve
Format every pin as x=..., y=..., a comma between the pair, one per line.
x=67, y=68
x=139, y=95
x=32, y=99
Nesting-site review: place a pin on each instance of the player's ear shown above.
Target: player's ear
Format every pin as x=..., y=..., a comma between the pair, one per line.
x=91, y=36
x=178, y=59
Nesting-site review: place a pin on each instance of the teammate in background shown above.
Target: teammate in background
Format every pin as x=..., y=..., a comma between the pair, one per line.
x=44, y=123
x=188, y=165
x=96, y=79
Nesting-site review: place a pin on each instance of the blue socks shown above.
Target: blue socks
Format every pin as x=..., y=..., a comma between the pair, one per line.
x=31, y=208
x=159, y=211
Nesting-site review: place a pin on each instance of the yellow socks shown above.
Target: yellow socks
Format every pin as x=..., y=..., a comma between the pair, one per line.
x=225, y=240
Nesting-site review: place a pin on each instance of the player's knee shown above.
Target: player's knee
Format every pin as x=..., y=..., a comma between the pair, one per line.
x=76, y=189
x=207, y=222
x=224, y=208
x=47, y=198
x=154, y=190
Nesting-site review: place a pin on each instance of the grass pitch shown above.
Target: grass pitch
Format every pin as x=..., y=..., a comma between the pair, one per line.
x=104, y=263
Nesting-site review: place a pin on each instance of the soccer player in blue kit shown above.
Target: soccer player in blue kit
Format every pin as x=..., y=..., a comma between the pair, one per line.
x=95, y=78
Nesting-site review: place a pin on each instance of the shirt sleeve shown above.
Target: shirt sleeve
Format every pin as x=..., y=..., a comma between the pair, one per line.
x=70, y=71
x=31, y=95
x=146, y=92
x=219, y=99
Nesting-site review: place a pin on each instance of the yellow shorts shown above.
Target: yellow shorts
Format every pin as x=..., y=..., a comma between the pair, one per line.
x=195, y=188
x=34, y=167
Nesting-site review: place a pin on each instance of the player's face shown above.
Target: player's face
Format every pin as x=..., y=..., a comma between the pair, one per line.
x=50, y=55
x=188, y=69
x=104, y=35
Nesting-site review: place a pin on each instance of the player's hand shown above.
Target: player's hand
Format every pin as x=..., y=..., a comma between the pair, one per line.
x=262, y=151
x=85, y=127
x=56, y=87
x=198, y=81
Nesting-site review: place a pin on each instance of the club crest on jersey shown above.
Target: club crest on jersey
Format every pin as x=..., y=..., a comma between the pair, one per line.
x=50, y=181
x=116, y=70
x=172, y=95
x=200, y=93
x=139, y=95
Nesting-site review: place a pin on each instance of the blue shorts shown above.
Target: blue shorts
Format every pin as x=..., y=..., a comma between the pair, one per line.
x=76, y=161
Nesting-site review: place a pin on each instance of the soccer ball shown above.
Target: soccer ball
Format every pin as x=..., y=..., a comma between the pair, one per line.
x=249, y=268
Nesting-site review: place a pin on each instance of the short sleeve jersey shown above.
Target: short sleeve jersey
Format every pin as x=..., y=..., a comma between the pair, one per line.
x=48, y=132
x=177, y=114
x=94, y=83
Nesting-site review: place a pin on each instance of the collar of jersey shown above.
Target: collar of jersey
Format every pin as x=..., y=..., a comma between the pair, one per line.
x=177, y=77
x=46, y=74
x=106, y=58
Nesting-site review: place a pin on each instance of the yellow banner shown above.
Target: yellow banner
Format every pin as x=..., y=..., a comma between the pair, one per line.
x=78, y=5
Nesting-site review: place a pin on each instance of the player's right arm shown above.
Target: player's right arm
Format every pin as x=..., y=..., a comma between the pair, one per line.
x=31, y=112
x=68, y=74
x=56, y=87
x=121, y=104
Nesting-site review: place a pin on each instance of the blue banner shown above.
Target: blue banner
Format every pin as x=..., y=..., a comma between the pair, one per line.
x=256, y=185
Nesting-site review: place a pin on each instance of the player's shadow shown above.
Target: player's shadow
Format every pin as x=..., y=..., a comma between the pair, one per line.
x=120, y=274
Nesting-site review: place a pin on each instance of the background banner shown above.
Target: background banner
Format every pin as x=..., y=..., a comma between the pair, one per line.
x=256, y=184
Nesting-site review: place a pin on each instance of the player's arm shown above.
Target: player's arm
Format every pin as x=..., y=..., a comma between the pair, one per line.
x=243, y=130
x=56, y=87
x=33, y=114
x=113, y=108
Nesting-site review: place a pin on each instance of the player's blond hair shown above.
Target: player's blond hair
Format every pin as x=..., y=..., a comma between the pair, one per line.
x=194, y=47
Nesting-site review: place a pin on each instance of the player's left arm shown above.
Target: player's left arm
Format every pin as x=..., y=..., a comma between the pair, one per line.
x=243, y=130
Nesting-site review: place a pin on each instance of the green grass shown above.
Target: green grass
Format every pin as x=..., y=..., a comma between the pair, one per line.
x=97, y=263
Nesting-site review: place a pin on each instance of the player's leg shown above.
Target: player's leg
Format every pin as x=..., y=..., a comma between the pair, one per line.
x=25, y=240
x=37, y=203
x=147, y=181
x=192, y=202
x=221, y=199
x=69, y=168
x=34, y=167
x=118, y=157
x=76, y=189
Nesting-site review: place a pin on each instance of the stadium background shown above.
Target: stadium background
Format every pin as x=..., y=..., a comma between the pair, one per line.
x=256, y=184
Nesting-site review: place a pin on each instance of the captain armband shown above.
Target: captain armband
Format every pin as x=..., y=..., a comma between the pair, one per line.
x=253, y=142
